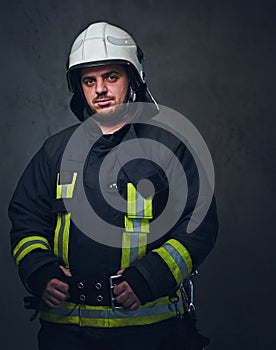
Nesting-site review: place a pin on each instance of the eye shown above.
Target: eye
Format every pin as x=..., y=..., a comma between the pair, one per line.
x=88, y=81
x=112, y=77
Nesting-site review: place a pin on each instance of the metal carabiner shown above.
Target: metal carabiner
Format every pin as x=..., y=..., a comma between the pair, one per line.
x=174, y=300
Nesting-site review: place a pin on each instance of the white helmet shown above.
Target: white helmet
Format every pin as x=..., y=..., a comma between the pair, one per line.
x=100, y=44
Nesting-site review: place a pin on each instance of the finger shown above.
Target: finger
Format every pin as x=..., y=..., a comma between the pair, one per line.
x=128, y=302
x=65, y=271
x=54, y=297
x=58, y=285
x=120, y=288
x=63, y=288
x=53, y=289
x=120, y=272
x=126, y=298
x=135, y=306
x=51, y=299
x=52, y=302
x=57, y=295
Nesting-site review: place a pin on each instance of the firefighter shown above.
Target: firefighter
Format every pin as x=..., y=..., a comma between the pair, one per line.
x=108, y=279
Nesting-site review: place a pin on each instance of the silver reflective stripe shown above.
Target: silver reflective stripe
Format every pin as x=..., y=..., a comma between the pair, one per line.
x=180, y=262
x=137, y=225
x=64, y=191
x=139, y=206
x=134, y=246
x=121, y=42
x=121, y=313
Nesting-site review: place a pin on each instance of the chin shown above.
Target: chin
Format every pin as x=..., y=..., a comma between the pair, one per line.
x=105, y=110
x=111, y=115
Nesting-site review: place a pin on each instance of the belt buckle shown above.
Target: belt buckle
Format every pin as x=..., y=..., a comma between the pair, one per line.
x=114, y=280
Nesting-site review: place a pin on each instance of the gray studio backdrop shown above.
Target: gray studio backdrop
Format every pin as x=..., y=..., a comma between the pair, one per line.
x=214, y=62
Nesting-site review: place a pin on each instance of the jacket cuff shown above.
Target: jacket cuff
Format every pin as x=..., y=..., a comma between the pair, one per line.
x=139, y=285
x=38, y=279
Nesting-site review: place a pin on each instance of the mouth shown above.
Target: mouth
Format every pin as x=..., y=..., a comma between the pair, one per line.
x=103, y=103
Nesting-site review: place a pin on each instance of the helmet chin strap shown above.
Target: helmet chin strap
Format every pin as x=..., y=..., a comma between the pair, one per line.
x=132, y=95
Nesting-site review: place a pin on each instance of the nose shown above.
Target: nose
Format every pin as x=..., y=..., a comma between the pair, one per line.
x=101, y=87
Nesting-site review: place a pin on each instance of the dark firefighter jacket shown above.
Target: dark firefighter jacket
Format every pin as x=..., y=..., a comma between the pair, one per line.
x=45, y=233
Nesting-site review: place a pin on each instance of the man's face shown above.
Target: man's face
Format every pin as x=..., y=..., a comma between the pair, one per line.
x=104, y=87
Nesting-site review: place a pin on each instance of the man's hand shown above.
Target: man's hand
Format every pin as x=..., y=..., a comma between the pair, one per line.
x=56, y=292
x=126, y=296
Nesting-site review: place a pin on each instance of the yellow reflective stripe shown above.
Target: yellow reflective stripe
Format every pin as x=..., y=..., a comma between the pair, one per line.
x=183, y=252
x=57, y=233
x=104, y=316
x=128, y=224
x=59, y=187
x=125, y=258
x=145, y=226
x=124, y=322
x=28, y=244
x=142, y=248
x=131, y=200
x=61, y=238
x=65, y=190
x=148, y=208
x=177, y=258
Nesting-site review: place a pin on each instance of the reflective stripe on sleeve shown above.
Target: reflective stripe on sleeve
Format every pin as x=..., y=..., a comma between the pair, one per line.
x=27, y=245
x=177, y=258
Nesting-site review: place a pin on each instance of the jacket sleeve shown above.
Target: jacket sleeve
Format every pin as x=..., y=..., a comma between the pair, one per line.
x=163, y=268
x=33, y=222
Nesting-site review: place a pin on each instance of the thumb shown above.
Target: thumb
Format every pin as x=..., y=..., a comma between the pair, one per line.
x=65, y=271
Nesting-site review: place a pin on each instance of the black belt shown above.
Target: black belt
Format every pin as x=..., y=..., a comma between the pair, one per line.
x=95, y=292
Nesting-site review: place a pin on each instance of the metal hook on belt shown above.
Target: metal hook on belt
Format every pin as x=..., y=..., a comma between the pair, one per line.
x=174, y=300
